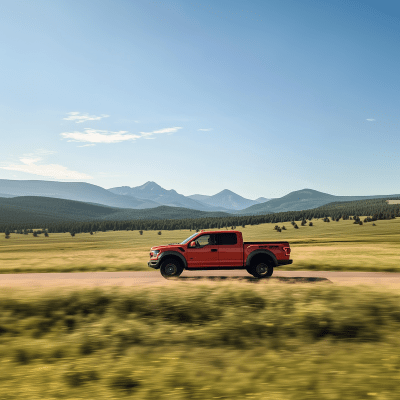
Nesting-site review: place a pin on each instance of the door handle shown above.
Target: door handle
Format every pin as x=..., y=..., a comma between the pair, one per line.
x=214, y=249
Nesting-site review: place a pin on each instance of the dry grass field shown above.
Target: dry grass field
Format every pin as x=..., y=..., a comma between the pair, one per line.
x=331, y=245
x=226, y=340
x=393, y=201
x=233, y=341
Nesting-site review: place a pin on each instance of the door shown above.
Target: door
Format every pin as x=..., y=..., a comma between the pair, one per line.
x=230, y=252
x=205, y=254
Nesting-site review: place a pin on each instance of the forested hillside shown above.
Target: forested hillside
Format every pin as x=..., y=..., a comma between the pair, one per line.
x=40, y=211
x=373, y=209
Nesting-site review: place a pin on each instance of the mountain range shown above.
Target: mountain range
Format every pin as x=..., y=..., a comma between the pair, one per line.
x=151, y=195
x=225, y=200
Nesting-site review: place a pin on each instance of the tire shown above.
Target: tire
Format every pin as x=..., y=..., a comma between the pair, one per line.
x=250, y=271
x=262, y=269
x=171, y=268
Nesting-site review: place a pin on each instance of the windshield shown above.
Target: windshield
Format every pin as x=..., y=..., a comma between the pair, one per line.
x=189, y=238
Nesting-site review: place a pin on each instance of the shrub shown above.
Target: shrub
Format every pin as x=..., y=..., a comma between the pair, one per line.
x=159, y=233
x=141, y=232
x=123, y=381
x=76, y=376
x=21, y=356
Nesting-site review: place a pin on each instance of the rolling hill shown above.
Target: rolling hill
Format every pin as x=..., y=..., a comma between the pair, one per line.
x=35, y=209
x=304, y=199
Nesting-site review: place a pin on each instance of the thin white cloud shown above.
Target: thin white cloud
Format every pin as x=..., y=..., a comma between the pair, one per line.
x=56, y=171
x=98, y=136
x=168, y=130
x=83, y=117
x=165, y=130
x=87, y=145
x=370, y=119
x=30, y=161
x=205, y=129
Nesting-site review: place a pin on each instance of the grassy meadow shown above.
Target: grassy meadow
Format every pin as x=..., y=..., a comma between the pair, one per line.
x=333, y=245
x=221, y=341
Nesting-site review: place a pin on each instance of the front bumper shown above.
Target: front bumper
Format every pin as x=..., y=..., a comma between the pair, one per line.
x=154, y=264
x=285, y=262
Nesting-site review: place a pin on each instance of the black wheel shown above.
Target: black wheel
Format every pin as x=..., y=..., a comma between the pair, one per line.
x=262, y=269
x=250, y=271
x=171, y=268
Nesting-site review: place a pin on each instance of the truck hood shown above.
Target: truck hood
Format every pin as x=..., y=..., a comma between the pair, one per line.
x=167, y=246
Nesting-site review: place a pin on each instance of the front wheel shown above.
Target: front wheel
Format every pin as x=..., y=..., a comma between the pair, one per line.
x=171, y=268
x=262, y=269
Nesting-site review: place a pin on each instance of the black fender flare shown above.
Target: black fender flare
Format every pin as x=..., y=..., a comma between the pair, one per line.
x=263, y=252
x=174, y=254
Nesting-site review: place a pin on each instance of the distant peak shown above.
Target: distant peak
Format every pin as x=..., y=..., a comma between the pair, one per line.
x=149, y=184
x=226, y=191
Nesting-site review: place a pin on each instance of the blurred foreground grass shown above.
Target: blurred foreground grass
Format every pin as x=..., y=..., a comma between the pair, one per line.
x=226, y=341
x=331, y=245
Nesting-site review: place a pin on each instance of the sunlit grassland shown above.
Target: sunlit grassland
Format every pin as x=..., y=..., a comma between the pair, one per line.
x=331, y=245
x=225, y=340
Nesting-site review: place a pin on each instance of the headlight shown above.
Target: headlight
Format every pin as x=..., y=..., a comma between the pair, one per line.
x=154, y=253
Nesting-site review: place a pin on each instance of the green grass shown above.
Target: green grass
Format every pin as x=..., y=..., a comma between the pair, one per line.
x=227, y=341
x=325, y=246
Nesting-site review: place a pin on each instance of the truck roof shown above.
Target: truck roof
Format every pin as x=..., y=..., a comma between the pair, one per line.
x=220, y=231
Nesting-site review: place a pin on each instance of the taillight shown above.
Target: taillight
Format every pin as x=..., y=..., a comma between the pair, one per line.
x=287, y=251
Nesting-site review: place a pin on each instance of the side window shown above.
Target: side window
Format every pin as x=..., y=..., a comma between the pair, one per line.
x=206, y=240
x=227, y=238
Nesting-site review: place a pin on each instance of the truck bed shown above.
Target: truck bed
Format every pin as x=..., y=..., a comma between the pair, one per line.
x=250, y=243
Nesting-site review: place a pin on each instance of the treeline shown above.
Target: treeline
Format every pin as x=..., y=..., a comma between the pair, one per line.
x=376, y=209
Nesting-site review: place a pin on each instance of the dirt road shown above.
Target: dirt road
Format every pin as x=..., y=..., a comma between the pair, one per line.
x=143, y=278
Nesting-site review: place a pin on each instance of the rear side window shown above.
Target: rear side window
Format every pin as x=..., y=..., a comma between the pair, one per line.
x=227, y=238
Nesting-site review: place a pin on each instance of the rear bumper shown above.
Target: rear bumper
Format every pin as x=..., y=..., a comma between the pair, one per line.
x=285, y=262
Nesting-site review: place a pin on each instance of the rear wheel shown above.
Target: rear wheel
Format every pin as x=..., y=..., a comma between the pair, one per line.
x=261, y=269
x=171, y=268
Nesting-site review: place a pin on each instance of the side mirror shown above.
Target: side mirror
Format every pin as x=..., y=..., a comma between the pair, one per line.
x=192, y=244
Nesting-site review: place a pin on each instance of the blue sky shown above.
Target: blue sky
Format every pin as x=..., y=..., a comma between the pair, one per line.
x=259, y=97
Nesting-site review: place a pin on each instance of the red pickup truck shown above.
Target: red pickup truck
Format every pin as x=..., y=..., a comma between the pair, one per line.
x=208, y=250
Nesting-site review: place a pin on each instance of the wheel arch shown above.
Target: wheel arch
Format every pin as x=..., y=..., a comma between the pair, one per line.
x=173, y=254
x=261, y=254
